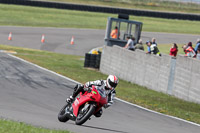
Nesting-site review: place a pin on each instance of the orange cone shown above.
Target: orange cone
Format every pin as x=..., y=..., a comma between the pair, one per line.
x=10, y=36
x=43, y=40
x=72, y=40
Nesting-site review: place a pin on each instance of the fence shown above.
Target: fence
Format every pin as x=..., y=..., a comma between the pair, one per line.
x=178, y=77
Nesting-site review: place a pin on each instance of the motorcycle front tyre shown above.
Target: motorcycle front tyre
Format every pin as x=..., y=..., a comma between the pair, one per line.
x=88, y=114
x=62, y=116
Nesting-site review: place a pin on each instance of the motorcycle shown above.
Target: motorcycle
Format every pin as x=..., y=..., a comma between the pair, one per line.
x=84, y=106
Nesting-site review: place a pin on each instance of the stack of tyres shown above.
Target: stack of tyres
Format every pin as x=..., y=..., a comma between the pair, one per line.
x=92, y=60
x=87, y=60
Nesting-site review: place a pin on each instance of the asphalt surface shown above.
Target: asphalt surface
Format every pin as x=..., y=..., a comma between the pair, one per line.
x=35, y=96
x=58, y=39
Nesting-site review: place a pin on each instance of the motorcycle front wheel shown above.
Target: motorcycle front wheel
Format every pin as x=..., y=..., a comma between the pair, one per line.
x=62, y=115
x=83, y=116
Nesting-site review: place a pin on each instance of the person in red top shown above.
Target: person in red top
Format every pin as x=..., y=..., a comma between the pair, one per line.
x=173, y=50
x=114, y=33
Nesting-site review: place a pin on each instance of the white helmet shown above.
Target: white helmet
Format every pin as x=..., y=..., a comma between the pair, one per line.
x=112, y=81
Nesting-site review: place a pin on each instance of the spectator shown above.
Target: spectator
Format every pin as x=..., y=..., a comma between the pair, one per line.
x=153, y=49
x=130, y=43
x=114, y=33
x=190, y=45
x=133, y=38
x=148, y=47
x=198, y=53
x=139, y=45
x=154, y=41
x=197, y=45
x=173, y=50
x=184, y=48
x=189, y=52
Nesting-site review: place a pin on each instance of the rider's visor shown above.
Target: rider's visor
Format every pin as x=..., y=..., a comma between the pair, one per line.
x=112, y=84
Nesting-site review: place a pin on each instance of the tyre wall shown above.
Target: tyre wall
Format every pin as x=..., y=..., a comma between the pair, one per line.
x=103, y=9
x=163, y=74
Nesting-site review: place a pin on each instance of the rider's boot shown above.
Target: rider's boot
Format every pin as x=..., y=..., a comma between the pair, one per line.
x=77, y=89
x=70, y=99
x=98, y=113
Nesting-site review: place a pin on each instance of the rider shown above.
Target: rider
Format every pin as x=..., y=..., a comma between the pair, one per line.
x=109, y=86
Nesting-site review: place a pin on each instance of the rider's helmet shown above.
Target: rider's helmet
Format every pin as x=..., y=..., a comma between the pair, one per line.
x=111, y=82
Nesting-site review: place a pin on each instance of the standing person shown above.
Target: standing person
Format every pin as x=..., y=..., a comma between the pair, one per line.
x=114, y=33
x=190, y=45
x=153, y=49
x=198, y=53
x=189, y=52
x=154, y=41
x=133, y=39
x=139, y=45
x=130, y=43
x=173, y=50
x=197, y=45
x=148, y=43
x=108, y=86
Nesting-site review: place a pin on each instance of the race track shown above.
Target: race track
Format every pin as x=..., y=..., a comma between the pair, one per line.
x=58, y=39
x=34, y=95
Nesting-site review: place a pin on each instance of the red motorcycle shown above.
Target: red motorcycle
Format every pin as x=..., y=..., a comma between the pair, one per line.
x=84, y=106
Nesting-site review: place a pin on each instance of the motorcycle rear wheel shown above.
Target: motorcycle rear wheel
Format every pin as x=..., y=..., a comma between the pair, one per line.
x=62, y=116
x=82, y=118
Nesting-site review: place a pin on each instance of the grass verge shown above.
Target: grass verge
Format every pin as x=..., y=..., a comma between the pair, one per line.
x=72, y=67
x=7, y=126
x=14, y=15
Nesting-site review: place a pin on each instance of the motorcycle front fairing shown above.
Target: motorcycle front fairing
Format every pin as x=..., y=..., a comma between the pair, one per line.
x=93, y=96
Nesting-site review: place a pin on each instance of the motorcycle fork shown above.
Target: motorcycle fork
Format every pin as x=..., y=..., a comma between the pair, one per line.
x=85, y=107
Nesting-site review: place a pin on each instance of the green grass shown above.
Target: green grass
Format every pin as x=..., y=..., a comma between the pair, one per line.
x=72, y=67
x=7, y=126
x=12, y=15
x=142, y=4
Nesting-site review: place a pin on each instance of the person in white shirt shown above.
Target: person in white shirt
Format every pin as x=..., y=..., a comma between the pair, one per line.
x=130, y=43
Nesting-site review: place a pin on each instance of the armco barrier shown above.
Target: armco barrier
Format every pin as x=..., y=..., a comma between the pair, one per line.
x=104, y=9
x=178, y=77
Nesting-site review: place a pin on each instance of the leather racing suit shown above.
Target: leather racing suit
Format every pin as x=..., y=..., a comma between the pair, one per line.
x=102, y=83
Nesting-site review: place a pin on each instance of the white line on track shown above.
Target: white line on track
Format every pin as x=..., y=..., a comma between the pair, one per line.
x=115, y=98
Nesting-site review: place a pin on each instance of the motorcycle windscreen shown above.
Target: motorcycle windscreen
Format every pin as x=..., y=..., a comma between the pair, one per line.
x=101, y=91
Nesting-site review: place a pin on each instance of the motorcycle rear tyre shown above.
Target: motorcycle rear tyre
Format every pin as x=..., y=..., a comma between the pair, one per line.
x=63, y=117
x=86, y=116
